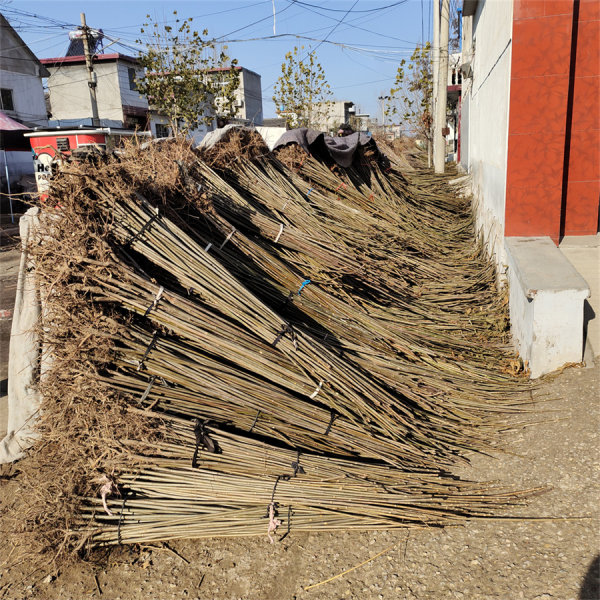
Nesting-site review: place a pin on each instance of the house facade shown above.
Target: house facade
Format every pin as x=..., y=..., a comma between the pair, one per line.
x=119, y=102
x=21, y=73
x=248, y=96
x=530, y=140
x=22, y=105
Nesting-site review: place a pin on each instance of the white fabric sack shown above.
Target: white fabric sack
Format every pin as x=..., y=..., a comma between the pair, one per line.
x=24, y=354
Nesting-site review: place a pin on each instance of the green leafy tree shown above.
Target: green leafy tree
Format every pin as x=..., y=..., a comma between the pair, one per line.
x=410, y=98
x=301, y=92
x=185, y=79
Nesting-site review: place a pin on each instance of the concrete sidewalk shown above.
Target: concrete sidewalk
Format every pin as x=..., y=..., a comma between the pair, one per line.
x=583, y=252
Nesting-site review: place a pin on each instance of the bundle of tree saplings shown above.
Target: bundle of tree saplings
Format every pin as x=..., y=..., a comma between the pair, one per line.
x=260, y=349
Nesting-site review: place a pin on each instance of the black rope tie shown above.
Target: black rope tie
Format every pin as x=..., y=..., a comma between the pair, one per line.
x=148, y=349
x=148, y=389
x=298, y=468
x=332, y=418
x=254, y=422
x=276, y=504
x=288, y=299
x=156, y=300
x=203, y=440
x=286, y=329
x=135, y=236
x=289, y=524
x=119, y=540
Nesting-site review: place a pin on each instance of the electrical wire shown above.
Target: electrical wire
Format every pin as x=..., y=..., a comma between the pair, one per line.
x=334, y=28
x=366, y=47
x=254, y=23
x=369, y=10
x=349, y=24
x=220, y=12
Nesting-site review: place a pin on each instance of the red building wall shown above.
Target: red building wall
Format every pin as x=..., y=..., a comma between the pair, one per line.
x=553, y=166
x=580, y=215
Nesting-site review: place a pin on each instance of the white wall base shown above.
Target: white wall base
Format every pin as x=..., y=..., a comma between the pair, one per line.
x=546, y=304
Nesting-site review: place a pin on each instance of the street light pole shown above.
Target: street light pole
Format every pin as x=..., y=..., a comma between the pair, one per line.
x=435, y=65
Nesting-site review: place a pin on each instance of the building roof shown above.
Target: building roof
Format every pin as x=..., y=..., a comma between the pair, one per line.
x=62, y=60
x=6, y=29
x=8, y=124
x=469, y=7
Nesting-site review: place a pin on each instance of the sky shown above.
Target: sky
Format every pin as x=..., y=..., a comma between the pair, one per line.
x=359, y=43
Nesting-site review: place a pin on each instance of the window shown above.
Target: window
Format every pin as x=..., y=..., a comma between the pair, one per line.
x=131, y=73
x=62, y=144
x=6, y=99
x=162, y=131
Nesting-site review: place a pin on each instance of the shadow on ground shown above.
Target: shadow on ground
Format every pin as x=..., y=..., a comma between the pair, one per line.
x=590, y=588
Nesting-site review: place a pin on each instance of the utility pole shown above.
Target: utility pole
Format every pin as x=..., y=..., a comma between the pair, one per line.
x=435, y=62
x=435, y=51
x=439, y=117
x=91, y=75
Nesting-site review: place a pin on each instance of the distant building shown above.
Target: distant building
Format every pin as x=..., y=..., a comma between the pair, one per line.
x=275, y=122
x=248, y=96
x=119, y=102
x=330, y=115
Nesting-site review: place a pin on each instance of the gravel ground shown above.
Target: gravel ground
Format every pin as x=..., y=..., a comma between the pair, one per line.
x=555, y=557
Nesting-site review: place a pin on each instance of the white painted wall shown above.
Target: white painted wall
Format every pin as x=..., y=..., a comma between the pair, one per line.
x=196, y=135
x=130, y=97
x=250, y=93
x=70, y=96
x=28, y=97
x=484, y=135
x=21, y=72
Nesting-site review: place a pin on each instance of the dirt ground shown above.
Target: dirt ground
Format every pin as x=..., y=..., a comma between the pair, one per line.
x=549, y=550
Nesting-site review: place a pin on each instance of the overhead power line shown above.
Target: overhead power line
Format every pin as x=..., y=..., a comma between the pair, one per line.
x=350, y=24
x=335, y=27
x=369, y=10
x=219, y=12
x=268, y=18
x=375, y=48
